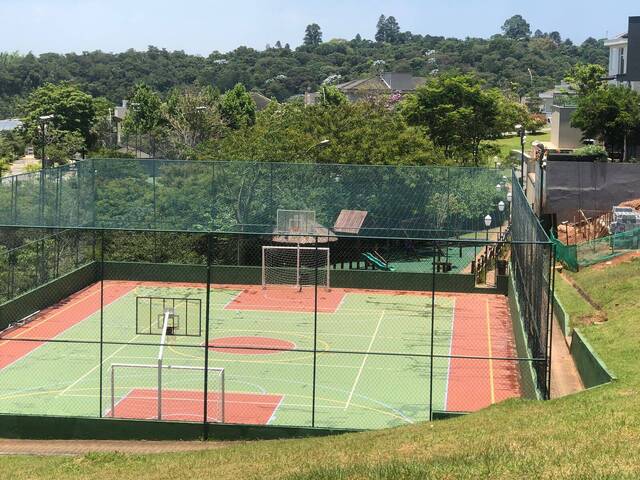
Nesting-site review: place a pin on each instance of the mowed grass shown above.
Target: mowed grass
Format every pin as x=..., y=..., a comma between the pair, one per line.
x=579, y=310
x=507, y=144
x=593, y=434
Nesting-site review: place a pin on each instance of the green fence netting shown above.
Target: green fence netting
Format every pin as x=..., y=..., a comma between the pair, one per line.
x=244, y=197
x=596, y=251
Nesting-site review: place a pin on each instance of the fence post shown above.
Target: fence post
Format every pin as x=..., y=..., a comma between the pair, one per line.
x=101, y=315
x=205, y=424
x=433, y=321
x=315, y=333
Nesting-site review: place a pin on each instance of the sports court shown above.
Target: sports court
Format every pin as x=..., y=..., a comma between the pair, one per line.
x=372, y=362
x=269, y=294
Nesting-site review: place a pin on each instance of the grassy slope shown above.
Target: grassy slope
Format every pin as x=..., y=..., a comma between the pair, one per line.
x=594, y=434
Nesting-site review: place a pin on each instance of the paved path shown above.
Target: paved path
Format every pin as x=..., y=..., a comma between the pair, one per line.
x=20, y=165
x=565, y=379
x=81, y=447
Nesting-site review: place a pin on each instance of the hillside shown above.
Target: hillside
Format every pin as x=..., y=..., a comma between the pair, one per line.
x=524, y=65
x=589, y=435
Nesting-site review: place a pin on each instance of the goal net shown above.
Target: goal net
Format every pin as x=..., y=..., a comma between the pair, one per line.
x=167, y=392
x=295, y=266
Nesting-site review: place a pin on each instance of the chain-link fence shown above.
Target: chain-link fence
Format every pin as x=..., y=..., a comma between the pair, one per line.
x=596, y=250
x=244, y=197
x=353, y=325
x=356, y=345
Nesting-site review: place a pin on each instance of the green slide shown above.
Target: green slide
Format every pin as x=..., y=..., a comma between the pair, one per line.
x=377, y=262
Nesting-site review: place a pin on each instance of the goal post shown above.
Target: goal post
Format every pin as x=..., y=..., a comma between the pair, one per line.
x=296, y=266
x=166, y=392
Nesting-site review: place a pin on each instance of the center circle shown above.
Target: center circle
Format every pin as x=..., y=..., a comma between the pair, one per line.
x=251, y=345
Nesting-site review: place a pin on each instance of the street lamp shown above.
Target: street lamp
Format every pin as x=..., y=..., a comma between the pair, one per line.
x=543, y=167
x=501, y=207
x=322, y=144
x=487, y=222
x=521, y=133
x=44, y=121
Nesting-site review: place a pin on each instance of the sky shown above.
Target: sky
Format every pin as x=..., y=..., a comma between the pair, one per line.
x=203, y=26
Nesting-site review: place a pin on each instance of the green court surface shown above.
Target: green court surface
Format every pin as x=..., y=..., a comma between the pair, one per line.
x=369, y=372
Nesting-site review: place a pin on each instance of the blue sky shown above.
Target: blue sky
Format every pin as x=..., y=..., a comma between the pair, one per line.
x=201, y=26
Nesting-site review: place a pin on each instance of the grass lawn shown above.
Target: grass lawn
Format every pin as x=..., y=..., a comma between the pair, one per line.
x=579, y=310
x=593, y=434
x=513, y=143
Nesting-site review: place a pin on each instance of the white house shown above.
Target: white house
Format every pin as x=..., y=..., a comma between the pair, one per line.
x=620, y=57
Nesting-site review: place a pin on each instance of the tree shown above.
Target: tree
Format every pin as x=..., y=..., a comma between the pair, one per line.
x=330, y=95
x=238, y=108
x=278, y=44
x=555, y=37
x=313, y=35
x=193, y=117
x=73, y=110
x=381, y=29
x=63, y=146
x=457, y=113
x=516, y=27
x=586, y=79
x=612, y=115
x=388, y=30
x=145, y=111
x=392, y=30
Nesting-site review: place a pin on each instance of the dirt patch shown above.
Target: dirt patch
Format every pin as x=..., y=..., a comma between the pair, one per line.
x=627, y=257
x=597, y=319
x=82, y=447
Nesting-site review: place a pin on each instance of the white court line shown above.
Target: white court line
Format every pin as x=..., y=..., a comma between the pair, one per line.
x=97, y=366
x=364, y=360
x=275, y=410
x=231, y=300
x=446, y=385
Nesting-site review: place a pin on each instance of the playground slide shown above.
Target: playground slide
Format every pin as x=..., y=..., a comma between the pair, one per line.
x=377, y=262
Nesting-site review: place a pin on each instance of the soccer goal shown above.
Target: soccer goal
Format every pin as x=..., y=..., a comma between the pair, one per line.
x=296, y=266
x=163, y=391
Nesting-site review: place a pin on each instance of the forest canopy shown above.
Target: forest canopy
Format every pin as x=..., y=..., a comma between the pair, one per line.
x=502, y=61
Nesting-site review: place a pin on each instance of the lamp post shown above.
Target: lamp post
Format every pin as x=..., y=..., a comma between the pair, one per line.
x=501, y=207
x=521, y=133
x=134, y=107
x=44, y=121
x=487, y=222
x=322, y=144
x=509, y=200
x=543, y=167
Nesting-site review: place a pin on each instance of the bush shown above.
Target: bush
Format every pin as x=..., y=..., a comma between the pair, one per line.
x=593, y=151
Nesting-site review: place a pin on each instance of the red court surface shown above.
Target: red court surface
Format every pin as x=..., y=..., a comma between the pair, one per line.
x=188, y=406
x=251, y=345
x=55, y=320
x=482, y=328
x=288, y=299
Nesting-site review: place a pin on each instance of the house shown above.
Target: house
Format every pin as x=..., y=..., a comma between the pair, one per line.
x=260, y=100
x=552, y=97
x=381, y=84
x=624, y=56
x=9, y=124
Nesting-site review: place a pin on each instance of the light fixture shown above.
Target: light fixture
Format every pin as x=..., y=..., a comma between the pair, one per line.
x=509, y=197
x=487, y=221
x=501, y=206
